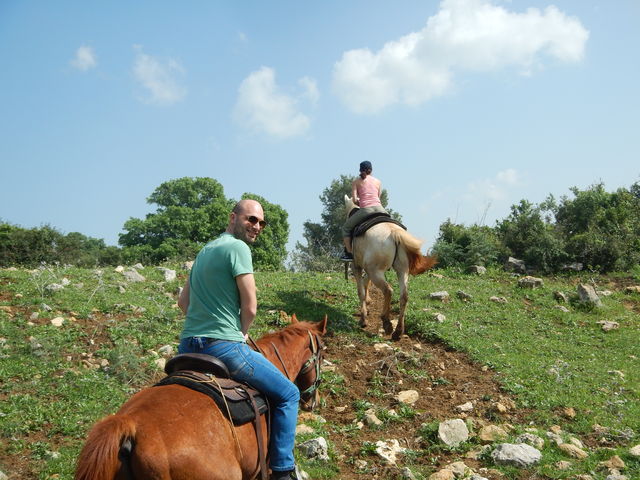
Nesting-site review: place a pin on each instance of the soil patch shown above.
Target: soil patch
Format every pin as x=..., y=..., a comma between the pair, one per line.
x=375, y=373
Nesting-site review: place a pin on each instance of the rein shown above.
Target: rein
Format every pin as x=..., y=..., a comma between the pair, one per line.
x=314, y=360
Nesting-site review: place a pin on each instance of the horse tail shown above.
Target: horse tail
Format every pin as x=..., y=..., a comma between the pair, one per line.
x=418, y=263
x=107, y=449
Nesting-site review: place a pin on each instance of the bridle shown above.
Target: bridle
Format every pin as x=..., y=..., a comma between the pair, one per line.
x=314, y=362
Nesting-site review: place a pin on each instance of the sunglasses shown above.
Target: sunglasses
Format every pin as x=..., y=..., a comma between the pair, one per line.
x=253, y=220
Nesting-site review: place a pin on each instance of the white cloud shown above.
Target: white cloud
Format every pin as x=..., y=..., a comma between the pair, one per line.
x=160, y=79
x=85, y=59
x=262, y=107
x=464, y=35
x=494, y=189
x=310, y=87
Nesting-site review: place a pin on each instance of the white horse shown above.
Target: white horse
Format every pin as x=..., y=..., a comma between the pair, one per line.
x=382, y=247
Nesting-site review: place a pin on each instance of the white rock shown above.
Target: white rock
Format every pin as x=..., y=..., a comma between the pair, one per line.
x=465, y=407
x=133, y=276
x=635, y=451
x=169, y=275
x=160, y=363
x=315, y=448
x=443, y=296
x=518, y=455
x=382, y=347
x=119, y=269
x=303, y=429
x=608, y=325
x=439, y=317
x=453, y=432
x=166, y=351
x=57, y=322
x=408, y=397
x=388, y=450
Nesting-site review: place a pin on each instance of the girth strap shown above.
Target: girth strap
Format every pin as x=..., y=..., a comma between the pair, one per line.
x=262, y=454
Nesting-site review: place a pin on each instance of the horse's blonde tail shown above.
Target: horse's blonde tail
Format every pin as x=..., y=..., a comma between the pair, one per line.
x=98, y=459
x=418, y=263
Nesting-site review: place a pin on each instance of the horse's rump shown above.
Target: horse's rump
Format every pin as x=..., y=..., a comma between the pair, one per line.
x=418, y=263
x=99, y=459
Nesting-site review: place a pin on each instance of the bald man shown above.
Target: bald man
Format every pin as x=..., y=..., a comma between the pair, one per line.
x=219, y=300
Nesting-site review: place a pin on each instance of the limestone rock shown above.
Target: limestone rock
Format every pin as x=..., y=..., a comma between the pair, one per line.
x=443, y=296
x=388, y=450
x=608, y=325
x=530, y=282
x=498, y=299
x=133, y=276
x=635, y=451
x=443, y=474
x=531, y=439
x=588, y=294
x=518, y=455
x=573, y=451
x=408, y=397
x=515, y=265
x=491, y=434
x=57, y=322
x=169, y=275
x=315, y=449
x=477, y=269
x=561, y=297
x=453, y=432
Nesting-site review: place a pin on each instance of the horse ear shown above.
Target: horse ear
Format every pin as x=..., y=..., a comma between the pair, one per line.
x=322, y=326
x=294, y=319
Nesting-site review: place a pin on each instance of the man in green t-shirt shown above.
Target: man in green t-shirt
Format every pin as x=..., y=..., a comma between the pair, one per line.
x=219, y=300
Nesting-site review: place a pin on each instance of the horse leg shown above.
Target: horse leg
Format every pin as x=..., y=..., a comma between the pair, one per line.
x=403, y=281
x=379, y=281
x=363, y=287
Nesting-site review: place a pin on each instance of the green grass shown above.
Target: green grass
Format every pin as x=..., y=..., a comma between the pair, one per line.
x=546, y=358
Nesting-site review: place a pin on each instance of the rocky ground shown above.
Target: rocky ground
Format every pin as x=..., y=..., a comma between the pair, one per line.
x=377, y=371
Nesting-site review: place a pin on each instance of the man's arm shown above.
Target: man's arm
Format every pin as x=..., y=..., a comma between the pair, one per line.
x=183, y=299
x=248, y=300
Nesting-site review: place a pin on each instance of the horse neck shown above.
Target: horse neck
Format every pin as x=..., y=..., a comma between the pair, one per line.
x=291, y=343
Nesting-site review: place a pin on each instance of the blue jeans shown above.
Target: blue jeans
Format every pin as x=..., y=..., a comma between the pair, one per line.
x=248, y=366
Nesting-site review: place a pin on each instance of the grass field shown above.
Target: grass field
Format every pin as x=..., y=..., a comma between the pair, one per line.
x=56, y=381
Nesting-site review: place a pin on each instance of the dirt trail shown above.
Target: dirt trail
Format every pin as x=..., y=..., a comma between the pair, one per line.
x=443, y=378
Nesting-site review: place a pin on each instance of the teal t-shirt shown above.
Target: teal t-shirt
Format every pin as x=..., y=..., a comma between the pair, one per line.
x=214, y=299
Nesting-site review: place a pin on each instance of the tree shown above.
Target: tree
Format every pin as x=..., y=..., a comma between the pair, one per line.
x=324, y=239
x=192, y=211
x=269, y=251
x=529, y=234
x=461, y=246
x=602, y=229
x=31, y=247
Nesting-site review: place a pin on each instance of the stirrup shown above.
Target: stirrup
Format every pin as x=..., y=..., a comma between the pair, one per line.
x=347, y=257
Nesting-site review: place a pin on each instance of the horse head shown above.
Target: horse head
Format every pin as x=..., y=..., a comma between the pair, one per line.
x=349, y=205
x=299, y=350
x=310, y=375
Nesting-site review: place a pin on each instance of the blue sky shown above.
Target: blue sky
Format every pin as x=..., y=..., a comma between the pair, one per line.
x=464, y=107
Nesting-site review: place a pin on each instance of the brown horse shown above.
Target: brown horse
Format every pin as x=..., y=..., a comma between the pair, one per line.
x=174, y=433
x=382, y=247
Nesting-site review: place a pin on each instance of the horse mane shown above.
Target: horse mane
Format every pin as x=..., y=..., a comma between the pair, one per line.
x=292, y=330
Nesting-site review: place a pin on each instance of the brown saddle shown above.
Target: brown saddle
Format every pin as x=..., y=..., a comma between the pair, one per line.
x=207, y=374
x=239, y=402
x=198, y=362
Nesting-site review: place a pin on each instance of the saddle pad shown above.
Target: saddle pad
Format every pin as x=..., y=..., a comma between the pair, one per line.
x=374, y=219
x=235, y=393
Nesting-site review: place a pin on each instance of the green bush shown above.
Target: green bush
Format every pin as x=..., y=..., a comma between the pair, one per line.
x=461, y=246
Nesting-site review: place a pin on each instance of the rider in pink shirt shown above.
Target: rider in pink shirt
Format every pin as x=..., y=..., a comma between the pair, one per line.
x=365, y=192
